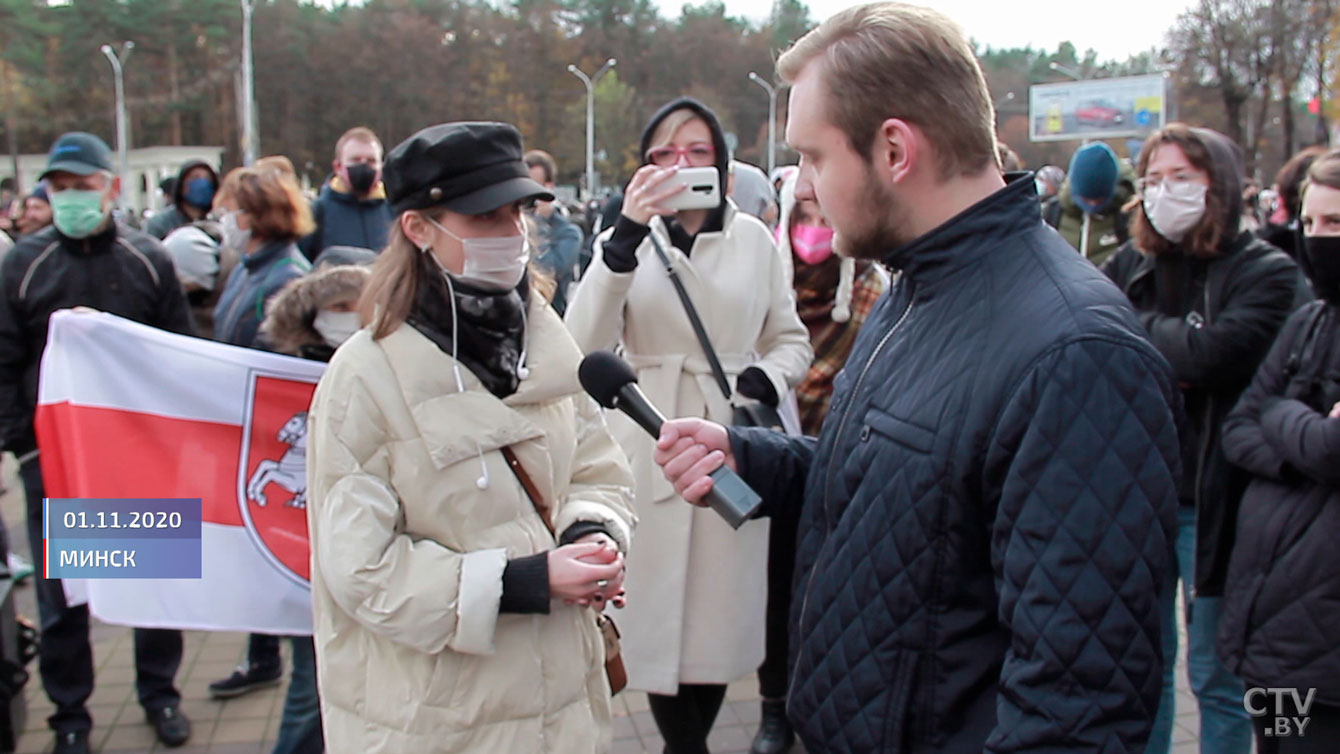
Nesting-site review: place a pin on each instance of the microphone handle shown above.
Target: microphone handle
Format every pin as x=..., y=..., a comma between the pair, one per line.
x=730, y=497
x=633, y=402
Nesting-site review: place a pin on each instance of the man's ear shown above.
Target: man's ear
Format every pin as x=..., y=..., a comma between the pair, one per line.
x=899, y=149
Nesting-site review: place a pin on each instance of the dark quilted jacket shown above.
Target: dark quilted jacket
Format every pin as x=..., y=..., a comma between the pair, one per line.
x=1282, y=601
x=986, y=517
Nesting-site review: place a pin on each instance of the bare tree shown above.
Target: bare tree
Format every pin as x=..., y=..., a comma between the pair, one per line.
x=1219, y=43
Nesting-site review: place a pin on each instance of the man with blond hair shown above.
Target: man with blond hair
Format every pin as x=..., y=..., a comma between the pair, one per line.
x=351, y=209
x=986, y=518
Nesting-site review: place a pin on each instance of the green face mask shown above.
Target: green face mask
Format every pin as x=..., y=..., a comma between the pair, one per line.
x=77, y=214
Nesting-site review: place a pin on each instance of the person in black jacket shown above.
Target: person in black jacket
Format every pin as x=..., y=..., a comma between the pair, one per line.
x=1282, y=594
x=986, y=516
x=1212, y=298
x=84, y=260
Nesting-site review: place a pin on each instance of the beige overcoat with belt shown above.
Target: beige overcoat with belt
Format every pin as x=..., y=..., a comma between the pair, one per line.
x=697, y=589
x=414, y=513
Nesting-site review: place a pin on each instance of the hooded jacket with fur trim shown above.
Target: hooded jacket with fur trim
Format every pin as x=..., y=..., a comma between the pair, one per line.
x=289, y=315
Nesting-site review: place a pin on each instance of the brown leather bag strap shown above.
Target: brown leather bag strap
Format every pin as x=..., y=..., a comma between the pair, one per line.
x=528, y=485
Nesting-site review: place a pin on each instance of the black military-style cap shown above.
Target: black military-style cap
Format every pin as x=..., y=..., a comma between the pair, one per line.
x=470, y=168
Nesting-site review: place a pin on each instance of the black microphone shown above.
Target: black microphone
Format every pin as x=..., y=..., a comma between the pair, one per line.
x=613, y=383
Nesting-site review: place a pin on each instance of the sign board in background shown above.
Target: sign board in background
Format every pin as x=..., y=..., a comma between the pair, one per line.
x=1131, y=106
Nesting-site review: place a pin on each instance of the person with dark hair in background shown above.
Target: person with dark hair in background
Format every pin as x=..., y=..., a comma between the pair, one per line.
x=1282, y=227
x=192, y=199
x=84, y=260
x=1212, y=298
x=34, y=212
x=560, y=239
x=1282, y=592
x=351, y=209
x=705, y=626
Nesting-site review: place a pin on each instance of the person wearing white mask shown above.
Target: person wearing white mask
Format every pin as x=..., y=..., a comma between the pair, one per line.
x=467, y=508
x=263, y=216
x=313, y=315
x=1213, y=297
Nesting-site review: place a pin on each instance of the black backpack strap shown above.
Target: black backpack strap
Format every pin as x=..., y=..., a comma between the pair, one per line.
x=694, y=319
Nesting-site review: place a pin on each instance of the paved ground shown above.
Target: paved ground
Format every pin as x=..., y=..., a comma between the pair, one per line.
x=249, y=725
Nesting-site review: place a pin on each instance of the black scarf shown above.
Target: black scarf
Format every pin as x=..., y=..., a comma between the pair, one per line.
x=492, y=328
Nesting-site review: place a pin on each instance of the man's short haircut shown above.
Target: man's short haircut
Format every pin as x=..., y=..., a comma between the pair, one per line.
x=544, y=160
x=358, y=133
x=893, y=60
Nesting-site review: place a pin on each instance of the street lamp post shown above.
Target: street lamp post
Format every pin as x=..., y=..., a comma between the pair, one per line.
x=772, y=119
x=590, y=82
x=249, y=145
x=118, y=61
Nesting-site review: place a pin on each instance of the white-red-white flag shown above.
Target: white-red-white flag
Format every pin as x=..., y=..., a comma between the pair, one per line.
x=129, y=411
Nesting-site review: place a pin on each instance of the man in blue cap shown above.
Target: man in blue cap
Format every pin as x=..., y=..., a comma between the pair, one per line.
x=1087, y=210
x=85, y=259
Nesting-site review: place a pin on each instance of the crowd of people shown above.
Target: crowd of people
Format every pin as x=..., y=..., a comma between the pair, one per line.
x=1003, y=425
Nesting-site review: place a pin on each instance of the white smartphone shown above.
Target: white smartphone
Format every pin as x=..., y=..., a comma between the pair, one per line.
x=703, y=192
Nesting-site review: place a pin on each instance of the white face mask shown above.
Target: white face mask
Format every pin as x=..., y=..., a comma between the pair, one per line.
x=336, y=327
x=495, y=264
x=234, y=237
x=1174, y=207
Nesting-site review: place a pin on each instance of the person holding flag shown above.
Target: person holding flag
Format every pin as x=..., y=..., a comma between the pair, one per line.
x=88, y=260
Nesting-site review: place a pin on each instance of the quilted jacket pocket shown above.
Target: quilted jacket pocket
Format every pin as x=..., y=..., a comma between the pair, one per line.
x=901, y=431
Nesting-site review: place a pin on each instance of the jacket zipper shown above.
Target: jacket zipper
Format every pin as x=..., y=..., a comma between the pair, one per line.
x=1203, y=457
x=828, y=476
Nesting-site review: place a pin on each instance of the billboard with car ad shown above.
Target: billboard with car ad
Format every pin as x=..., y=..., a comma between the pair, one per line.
x=1131, y=106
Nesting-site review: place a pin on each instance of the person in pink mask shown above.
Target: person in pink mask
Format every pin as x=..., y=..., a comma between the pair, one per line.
x=833, y=297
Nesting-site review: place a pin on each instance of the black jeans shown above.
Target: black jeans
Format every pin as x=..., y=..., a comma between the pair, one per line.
x=65, y=660
x=772, y=674
x=263, y=651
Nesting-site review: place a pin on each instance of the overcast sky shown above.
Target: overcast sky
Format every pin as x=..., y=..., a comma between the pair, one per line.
x=1115, y=30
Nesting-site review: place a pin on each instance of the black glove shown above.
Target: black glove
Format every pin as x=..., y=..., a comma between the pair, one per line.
x=620, y=249
x=754, y=383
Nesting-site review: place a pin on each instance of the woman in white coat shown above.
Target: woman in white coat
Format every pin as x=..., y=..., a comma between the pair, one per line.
x=451, y=612
x=700, y=624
